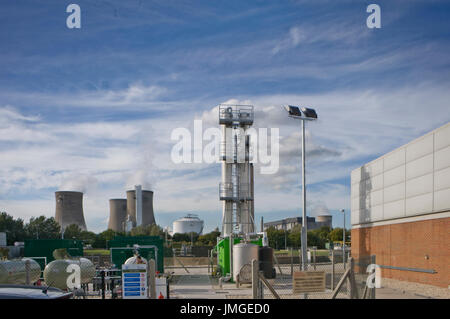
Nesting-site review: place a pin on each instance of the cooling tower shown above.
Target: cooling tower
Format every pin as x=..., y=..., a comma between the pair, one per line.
x=148, y=217
x=324, y=220
x=69, y=209
x=117, y=214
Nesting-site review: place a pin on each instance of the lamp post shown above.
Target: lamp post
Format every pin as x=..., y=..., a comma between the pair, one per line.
x=305, y=114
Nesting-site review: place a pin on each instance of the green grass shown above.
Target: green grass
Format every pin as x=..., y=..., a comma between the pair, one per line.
x=90, y=252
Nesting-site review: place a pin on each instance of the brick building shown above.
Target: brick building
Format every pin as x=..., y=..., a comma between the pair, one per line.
x=400, y=210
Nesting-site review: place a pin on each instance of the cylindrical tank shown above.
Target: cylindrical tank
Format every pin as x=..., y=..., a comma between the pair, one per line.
x=69, y=209
x=266, y=262
x=15, y=271
x=117, y=214
x=55, y=273
x=324, y=220
x=188, y=224
x=148, y=216
x=133, y=260
x=243, y=254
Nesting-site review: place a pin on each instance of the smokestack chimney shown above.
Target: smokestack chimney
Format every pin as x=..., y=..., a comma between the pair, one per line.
x=148, y=217
x=69, y=209
x=117, y=214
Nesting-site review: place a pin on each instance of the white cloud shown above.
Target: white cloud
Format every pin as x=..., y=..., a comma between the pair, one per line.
x=106, y=158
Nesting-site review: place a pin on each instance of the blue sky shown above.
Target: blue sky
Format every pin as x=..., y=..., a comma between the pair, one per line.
x=92, y=109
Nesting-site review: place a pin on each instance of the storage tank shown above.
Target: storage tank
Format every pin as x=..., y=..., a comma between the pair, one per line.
x=133, y=260
x=69, y=209
x=266, y=262
x=55, y=273
x=117, y=214
x=324, y=220
x=188, y=224
x=243, y=254
x=148, y=217
x=15, y=271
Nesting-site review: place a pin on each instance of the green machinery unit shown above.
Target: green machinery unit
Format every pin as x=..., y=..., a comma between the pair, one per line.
x=223, y=253
x=150, y=247
x=41, y=250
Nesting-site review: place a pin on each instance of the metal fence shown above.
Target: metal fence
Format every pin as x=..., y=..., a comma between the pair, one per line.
x=326, y=278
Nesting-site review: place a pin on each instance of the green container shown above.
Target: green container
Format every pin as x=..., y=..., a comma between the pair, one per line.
x=41, y=250
x=223, y=253
x=122, y=248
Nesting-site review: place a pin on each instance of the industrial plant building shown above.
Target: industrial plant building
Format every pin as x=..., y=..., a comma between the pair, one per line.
x=289, y=223
x=400, y=210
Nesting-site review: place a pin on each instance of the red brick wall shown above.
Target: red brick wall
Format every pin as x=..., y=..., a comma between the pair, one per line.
x=407, y=245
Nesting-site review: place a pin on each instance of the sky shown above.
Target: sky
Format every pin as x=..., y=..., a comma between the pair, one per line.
x=93, y=109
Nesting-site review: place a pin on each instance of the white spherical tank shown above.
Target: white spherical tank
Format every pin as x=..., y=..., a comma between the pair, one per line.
x=188, y=224
x=243, y=254
x=134, y=260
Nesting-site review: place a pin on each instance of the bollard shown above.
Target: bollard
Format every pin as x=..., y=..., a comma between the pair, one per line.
x=292, y=262
x=314, y=258
x=255, y=279
x=102, y=275
x=332, y=269
x=27, y=271
x=151, y=278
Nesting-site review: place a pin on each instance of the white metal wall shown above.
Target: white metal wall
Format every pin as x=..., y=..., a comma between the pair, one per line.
x=409, y=181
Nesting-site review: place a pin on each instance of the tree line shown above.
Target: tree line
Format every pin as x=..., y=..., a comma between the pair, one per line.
x=281, y=239
x=48, y=228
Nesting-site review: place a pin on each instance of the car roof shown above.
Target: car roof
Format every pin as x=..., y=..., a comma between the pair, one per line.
x=31, y=292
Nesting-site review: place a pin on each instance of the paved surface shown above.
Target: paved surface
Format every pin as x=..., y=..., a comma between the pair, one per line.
x=197, y=284
x=193, y=285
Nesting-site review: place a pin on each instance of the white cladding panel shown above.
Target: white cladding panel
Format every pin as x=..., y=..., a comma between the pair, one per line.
x=394, y=176
x=442, y=158
x=442, y=179
x=411, y=180
x=442, y=138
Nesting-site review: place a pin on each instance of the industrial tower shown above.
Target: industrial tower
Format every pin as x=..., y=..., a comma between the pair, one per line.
x=236, y=188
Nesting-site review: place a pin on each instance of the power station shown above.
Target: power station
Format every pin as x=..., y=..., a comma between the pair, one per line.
x=140, y=207
x=69, y=209
x=117, y=214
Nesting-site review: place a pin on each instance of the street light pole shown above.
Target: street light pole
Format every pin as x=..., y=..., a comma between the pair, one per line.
x=343, y=239
x=304, y=236
x=305, y=114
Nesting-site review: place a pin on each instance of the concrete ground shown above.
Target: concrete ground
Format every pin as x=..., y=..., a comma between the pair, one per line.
x=198, y=284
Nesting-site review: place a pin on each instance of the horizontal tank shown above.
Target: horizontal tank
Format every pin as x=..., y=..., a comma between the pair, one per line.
x=243, y=254
x=188, y=224
x=56, y=275
x=15, y=271
x=324, y=220
x=134, y=260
